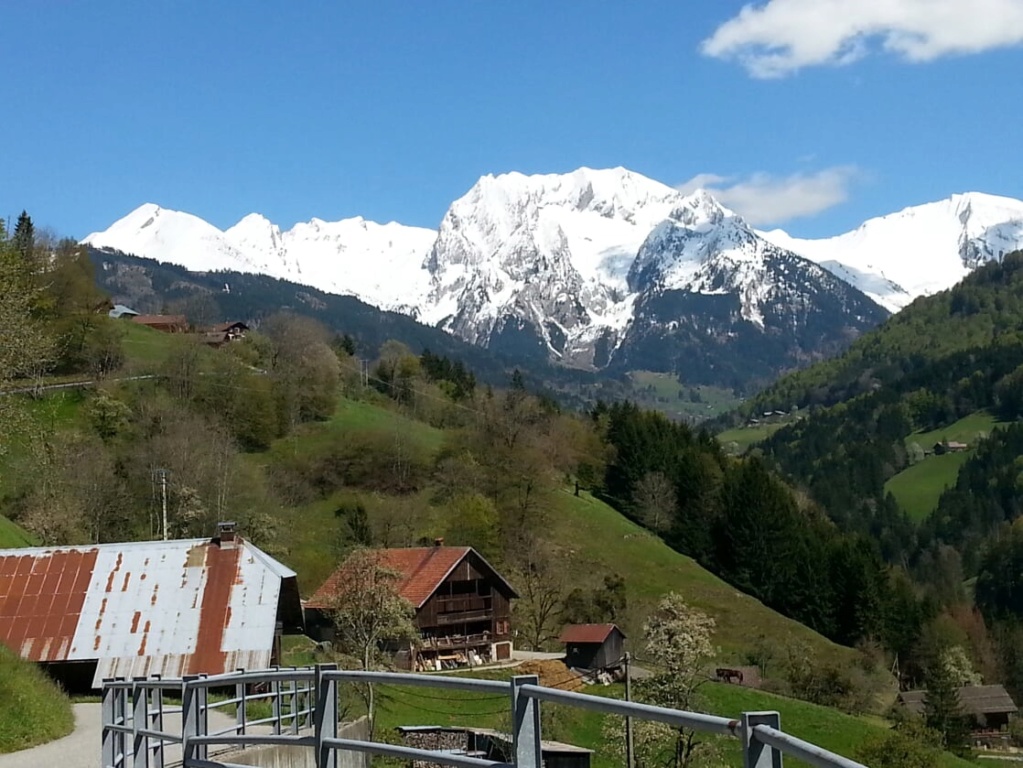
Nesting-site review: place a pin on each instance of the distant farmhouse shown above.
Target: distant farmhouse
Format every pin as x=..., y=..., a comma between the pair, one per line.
x=463, y=606
x=165, y=323
x=170, y=608
x=224, y=333
x=949, y=446
x=989, y=707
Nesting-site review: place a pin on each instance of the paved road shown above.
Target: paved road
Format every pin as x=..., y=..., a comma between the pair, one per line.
x=81, y=748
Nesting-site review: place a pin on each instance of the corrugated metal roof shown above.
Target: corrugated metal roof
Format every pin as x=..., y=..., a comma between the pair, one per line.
x=163, y=607
x=587, y=633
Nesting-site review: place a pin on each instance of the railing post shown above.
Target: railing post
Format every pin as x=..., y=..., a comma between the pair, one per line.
x=293, y=688
x=107, y=714
x=156, y=718
x=325, y=716
x=240, y=709
x=525, y=724
x=275, y=692
x=191, y=720
x=121, y=718
x=756, y=754
x=139, y=721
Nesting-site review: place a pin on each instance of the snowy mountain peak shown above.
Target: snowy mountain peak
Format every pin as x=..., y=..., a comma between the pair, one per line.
x=920, y=249
x=600, y=266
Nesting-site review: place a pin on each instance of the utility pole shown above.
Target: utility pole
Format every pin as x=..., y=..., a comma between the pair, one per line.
x=163, y=494
x=630, y=747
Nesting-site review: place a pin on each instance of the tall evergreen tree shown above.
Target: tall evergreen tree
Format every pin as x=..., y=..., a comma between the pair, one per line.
x=24, y=236
x=942, y=709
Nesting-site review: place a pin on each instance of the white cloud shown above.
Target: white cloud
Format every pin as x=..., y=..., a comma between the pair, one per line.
x=781, y=36
x=766, y=199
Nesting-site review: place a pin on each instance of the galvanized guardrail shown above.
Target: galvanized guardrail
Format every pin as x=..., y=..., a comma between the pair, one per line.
x=305, y=714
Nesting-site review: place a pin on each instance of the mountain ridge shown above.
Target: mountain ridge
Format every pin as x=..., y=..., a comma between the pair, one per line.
x=578, y=268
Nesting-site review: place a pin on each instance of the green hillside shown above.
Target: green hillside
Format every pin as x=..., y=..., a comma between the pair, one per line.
x=590, y=536
x=969, y=429
x=917, y=488
x=949, y=368
x=985, y=310
x=13, y=536
x=33, y=709
x=828, y=728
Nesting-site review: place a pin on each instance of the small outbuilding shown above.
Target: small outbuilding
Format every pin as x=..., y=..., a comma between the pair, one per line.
x=990, y=707
x=593, y=646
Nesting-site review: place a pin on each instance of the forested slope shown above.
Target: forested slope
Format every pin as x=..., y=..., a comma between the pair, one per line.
x=984, y=311
x=910, y=439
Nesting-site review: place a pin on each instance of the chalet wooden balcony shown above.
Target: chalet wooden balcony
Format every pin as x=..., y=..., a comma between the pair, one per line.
x=455, y=610
x=455, y=642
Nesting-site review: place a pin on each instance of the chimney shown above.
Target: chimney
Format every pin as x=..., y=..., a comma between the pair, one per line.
x=226, y=534
x=438, y=542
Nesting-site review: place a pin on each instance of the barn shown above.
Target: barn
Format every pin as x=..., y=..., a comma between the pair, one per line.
x=593, y=646
x=172, y=608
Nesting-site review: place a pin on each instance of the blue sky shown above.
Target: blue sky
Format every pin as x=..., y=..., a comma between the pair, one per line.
x=811, y=114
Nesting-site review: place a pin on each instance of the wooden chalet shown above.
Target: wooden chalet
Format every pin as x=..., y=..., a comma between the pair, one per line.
x=165, y=323
x=462, y=604
x=593, y=646
x=231, y=330
x=990, y=707
x=949, y=446
x=224, y=333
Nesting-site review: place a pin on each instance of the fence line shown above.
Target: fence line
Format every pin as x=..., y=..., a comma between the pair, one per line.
x=304, y=703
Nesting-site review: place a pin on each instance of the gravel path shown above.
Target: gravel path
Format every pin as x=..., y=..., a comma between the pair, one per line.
x=81, y=748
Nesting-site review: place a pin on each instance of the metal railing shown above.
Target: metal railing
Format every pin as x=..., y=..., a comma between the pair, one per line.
x=305, y=714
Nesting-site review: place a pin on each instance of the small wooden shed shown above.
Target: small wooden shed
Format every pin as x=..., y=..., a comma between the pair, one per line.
x=593, y=646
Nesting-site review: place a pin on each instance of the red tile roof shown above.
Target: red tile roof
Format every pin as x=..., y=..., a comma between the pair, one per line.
x=587, y=633
x=422, y=569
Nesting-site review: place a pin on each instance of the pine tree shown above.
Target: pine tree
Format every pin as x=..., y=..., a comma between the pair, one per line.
x=942, y=709
x=24, y=236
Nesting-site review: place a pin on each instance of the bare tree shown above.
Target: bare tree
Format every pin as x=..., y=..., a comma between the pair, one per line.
x=656, y=501
x=367, y=612
x=540, y=578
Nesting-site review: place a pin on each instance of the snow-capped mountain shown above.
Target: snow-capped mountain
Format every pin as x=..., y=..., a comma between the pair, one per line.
x=380, y=263
x=544, y=258
x=571, y=267
x=919, y=250
x=601, y=268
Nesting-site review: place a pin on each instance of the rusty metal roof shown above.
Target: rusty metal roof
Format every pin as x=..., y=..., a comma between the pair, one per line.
x=164, y=607
x=587, y=633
